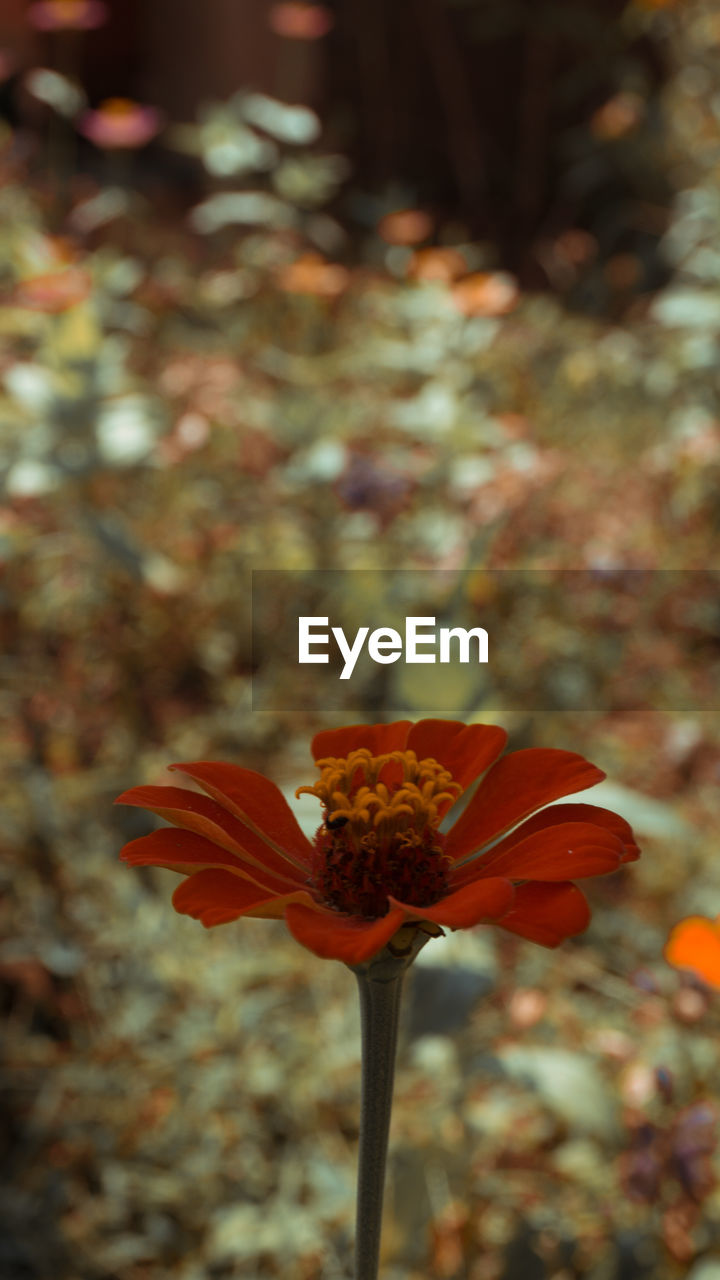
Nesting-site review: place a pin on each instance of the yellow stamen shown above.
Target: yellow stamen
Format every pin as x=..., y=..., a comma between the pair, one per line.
x=351, y=787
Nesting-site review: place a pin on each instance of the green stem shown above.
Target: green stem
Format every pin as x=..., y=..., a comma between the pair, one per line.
x=380, y=982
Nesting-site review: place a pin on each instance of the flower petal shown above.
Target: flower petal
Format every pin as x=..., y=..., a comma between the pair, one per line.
x=196, y=812
x=465, y=750
x=547, y=913
x=517, y=785
x=694, y=944
x=556, y=814
x=378, y=739
x=568, y=851
x=257, y=802
x=217, y=897
x=347, y=938
x=477, y=903
x=185, y=852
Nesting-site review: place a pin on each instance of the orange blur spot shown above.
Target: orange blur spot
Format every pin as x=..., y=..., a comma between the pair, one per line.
x=618, y=116
x=694, y=944
x=296, y=21
x=405, y=226
x=486, y=294
x=445, y=265
x=312, y=274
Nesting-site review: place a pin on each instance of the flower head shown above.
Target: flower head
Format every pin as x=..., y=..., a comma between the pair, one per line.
x=120, y=124
x=379, y=860
x=76, y=15
x=297, y=20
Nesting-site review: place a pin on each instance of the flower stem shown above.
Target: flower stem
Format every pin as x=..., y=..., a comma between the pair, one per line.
x=380, y=981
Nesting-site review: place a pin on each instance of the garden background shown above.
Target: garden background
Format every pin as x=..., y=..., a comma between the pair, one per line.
x=432, y=285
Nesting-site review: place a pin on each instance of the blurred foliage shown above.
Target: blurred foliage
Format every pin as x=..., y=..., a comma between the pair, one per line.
x=186, y=398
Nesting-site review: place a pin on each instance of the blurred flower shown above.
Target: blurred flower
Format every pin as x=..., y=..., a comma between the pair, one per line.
x=577, y=246
x=191, y=432
x=56, y=91
x=618, y=116
x=310, y=180
x=694, y=944
x=486, y=294
x=126, y=429
x=297, y=21
x=98, y=210
x=312, y=274
x=119, y=123
x=564, y=258
x=54, y=291
x=405, y=226
x=224, y=142
x=77, y=15
x=444, y=265
x=378, y=859
x=229, y=207
x=288, y=122
x=30, y=478
x=226, y=138
x=527, y=1006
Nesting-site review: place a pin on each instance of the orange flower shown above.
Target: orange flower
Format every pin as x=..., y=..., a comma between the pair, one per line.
x=54, y=291
x=379, y=861
x=618, y=116
x=445, y=265
x=121, y=124
x=76, y=15
x=486, y=294
x=310, y=273
x=299, y=21
x=694, y=944
x=405, y=226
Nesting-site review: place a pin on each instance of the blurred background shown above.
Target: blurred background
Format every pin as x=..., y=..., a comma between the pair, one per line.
x=432, y=285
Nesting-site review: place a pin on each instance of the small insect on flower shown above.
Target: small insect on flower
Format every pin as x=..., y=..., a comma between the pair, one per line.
x=378, y=860
x=334, y=824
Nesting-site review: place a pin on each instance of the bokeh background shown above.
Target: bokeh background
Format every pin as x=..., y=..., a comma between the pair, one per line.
x=429, y=285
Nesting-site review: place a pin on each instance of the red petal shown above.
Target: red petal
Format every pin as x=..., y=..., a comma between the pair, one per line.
x=559, y=813
x=216, y=897
x=569, y=851
x=258, y=803
x=517, y=785
x=184, y=851
x=547, y=913
x=694, y=944
x=347, y=938
x=377, y=738
x=478, y=903
x=195, y=812
x=466, y=750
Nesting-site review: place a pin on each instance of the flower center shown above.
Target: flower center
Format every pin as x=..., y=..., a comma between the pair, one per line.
x=379, y=836
x=118, y=107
